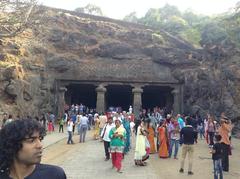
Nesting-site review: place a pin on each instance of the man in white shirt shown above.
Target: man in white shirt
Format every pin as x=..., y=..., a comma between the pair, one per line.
x=83, y=127
x=70, y=131
x=105, y=136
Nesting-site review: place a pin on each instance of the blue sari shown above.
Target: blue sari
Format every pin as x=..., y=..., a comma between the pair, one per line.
x=126, y=125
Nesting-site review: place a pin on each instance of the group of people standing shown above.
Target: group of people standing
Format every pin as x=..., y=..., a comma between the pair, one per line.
x=170, y=133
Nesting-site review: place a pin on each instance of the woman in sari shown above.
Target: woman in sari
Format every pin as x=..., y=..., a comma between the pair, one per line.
x=117, y=135
x=163, y=140
x=151, y=134
x=96, y=127
x=126, y=125
x=140, y=149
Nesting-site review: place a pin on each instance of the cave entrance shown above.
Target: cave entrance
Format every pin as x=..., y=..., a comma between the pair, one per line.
x=160, y=96
x=119, y=96
x=81, y=94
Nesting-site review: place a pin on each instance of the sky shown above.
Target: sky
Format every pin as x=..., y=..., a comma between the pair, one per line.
x=118, y=9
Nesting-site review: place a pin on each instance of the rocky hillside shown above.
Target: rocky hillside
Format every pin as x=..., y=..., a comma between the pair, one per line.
x=30, y=62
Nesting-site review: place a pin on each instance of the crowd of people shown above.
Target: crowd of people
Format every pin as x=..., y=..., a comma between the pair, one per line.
x=170, y=132
x=154, y=131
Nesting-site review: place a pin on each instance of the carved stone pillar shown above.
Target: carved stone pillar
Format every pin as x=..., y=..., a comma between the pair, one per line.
x=137, y=100
x=61, y=101
x=177, y=108
x=100, y=106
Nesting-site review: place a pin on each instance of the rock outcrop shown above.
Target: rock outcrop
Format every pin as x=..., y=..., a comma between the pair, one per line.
x=29, y=64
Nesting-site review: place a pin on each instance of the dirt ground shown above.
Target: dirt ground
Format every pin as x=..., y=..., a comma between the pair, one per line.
x=162, y=168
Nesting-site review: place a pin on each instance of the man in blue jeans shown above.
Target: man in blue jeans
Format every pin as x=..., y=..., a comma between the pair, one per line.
x=217, y=152
x=174, y=133
x=83, y=127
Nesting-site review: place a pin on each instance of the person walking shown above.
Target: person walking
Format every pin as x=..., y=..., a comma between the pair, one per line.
x=83, y=127
x=61, y=123
x=21, y=151
x=105, y=136
x=163, y=140
x=187, y=138
x=224, y=130
x=140, y=154
x=126, y=125
x=70, y=131
x=174, y=135
x=150, y=137
x=117, y=136
x=217, y=152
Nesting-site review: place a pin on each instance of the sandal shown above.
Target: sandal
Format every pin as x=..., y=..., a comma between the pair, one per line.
x=142, y=164
x=119, y=171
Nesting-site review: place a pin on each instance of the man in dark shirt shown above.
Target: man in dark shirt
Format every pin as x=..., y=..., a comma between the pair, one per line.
x=21, y=151
x=187, y=137
x=217, y=152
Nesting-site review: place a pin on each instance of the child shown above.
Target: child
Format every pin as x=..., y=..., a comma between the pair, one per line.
x=50, y=126
x=61, y=123
x=216, y=156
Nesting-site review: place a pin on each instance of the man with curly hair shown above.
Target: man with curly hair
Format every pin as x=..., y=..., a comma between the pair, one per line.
x=21, y=151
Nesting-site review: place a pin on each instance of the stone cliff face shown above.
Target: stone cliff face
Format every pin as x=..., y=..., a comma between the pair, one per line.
x=74, y=43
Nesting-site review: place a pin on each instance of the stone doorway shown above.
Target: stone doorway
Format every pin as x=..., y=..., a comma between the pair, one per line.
x=81, y=93
x=160, y=96
x=119, y=96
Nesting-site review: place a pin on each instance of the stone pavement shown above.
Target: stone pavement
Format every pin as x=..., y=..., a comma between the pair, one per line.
x=53, y=138
x=87, y=162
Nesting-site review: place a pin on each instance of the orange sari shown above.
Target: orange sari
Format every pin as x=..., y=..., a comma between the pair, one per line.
x=151, y=140
x=163, y=148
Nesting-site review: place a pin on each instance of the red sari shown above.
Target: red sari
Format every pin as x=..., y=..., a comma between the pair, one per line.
x=163, y=140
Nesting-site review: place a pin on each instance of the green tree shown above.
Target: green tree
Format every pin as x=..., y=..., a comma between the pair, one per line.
x=213, y=34
x=90, y=9
x=151, y=18
x=168, y=11
x=175, y=25
x=132, y=17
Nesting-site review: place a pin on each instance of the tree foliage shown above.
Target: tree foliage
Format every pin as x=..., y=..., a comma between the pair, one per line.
x=90, y=9
x=198, y=29
x=18, y=15
x=132, y=17
x=213, y=34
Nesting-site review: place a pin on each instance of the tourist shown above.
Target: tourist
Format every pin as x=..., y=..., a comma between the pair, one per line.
x=61, y=123
x=163, y=140
x=21, y=152
x=83, y=127
x=70, y=131
x=217, y=152
x=126, y=125
x=206, y=128
x=50, y=126
x=96, y=126
x=224, y=130
x=105, y=136
x=181, y=122
x=102, y=122
x=200, y=127
x=187, y=138
x=150, y=137
x=117, y=135
x=79, y=116
x=211, y=130
x=52, y=119
x=140, y=150
x=174, y=136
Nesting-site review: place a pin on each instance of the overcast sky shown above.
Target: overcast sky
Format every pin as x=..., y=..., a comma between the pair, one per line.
x=119, y=8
